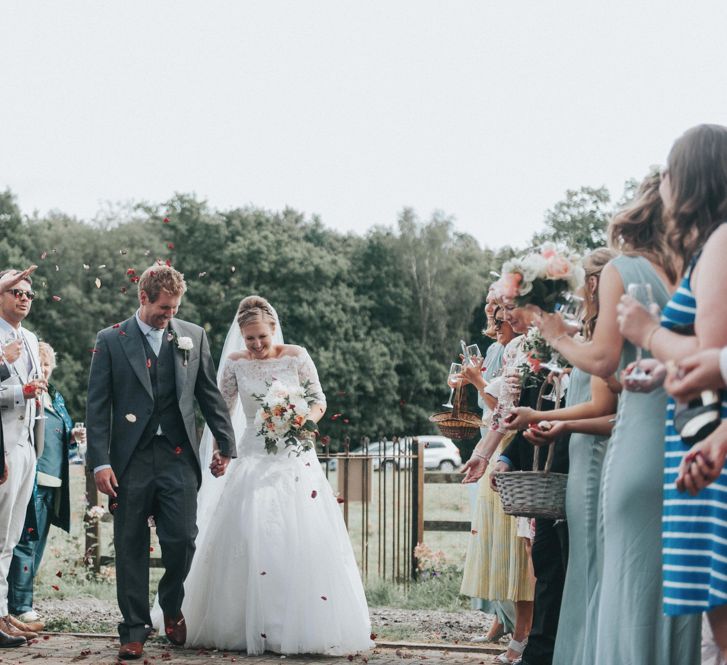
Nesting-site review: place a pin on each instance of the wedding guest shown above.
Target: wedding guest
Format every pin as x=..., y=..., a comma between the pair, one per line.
x=550, y=542
x=481, y=373
x=588, y=400
x=50, y=503
x=694, y=192
x=496, y=567
x=23, y=437
x=631, y=626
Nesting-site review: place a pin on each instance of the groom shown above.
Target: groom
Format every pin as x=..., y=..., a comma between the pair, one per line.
x=142, y=445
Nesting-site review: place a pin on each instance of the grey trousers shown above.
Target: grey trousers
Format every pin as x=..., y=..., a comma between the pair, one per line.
x=161, y=480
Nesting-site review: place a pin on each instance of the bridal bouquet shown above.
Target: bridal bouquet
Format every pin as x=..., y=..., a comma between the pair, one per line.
x=540, y=278
x=283, y=417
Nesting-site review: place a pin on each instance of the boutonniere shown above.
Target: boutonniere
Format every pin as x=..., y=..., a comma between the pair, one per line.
x=184, y=344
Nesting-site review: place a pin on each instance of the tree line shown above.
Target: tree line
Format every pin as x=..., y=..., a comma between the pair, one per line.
x=381, y=313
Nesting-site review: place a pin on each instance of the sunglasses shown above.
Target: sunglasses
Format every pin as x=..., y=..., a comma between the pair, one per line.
x=499, y=323
x=18, y=293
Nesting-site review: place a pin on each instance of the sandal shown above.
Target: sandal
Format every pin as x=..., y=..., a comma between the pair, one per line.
x=517, y=647
x=482, y=639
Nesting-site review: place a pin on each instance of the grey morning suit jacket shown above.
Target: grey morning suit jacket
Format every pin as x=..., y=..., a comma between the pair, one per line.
x=120, y=398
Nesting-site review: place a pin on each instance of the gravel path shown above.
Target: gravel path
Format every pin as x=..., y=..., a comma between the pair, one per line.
x=388, y=623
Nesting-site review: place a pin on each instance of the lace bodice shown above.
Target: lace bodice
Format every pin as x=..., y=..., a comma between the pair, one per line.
x=242, y=378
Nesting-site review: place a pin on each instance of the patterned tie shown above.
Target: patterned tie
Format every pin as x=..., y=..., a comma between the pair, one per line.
x=155, y=340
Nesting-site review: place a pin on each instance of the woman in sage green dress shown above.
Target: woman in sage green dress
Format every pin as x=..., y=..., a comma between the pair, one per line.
x=631, y=627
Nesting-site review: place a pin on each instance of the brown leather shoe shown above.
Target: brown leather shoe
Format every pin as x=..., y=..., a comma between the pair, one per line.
x=7, y=641
x=176, y=629
x=131, y=650
x=11, y=629
x=26, y=626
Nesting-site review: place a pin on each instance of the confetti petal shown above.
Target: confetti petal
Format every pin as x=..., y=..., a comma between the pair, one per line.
x=324, y=598
x=313, y=494
x=57, y=298
x=55, y=587
x=166, y=220
x=131, y=417
x=97, y=282
x=59, y=573
x=170, y=245
x=178, y=450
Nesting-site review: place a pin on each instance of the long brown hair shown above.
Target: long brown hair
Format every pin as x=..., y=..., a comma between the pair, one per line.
x=593, y=264
x=697, y=167
x=639, y=229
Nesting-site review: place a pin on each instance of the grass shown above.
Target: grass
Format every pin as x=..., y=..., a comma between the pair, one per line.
x=63, y=575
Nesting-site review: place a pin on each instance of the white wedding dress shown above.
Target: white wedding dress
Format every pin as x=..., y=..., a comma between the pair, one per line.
x=274, y=568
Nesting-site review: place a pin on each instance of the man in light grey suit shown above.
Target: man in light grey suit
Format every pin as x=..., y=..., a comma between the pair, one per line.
x=22, y=434
x=142, y=444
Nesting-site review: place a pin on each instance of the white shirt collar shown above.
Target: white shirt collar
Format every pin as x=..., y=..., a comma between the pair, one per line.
x=7, y=328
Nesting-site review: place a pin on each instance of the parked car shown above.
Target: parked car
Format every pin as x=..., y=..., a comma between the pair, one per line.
x=440, y=453
x=381, y=452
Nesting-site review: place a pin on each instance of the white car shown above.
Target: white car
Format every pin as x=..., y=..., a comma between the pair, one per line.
x=440, y=453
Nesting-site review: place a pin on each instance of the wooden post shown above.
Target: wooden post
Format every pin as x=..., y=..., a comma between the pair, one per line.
x=92, y=555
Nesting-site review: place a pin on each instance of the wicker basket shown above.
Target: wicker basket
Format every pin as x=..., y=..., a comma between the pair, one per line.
x=457, y=424
x=534, y=493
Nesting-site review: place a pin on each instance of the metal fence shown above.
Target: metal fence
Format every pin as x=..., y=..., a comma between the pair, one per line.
x=381, y=489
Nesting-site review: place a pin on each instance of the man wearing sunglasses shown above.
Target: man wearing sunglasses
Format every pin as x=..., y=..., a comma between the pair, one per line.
x=22, y=433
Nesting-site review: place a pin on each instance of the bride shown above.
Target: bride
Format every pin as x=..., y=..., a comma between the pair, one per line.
x=274, y=569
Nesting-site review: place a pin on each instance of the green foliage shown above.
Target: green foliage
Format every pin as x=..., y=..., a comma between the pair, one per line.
x=440, y=592
x=381, y=315
x=579, y=221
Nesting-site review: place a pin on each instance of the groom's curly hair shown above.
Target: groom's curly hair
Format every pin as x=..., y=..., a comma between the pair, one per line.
x=158, y=278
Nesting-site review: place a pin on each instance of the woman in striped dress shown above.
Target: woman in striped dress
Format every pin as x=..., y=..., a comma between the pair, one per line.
x=694, y=190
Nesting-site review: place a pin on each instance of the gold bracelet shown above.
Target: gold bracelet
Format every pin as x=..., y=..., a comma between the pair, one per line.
x=647, y=343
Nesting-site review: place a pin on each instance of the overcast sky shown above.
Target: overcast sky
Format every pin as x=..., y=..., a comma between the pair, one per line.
x=351, y=110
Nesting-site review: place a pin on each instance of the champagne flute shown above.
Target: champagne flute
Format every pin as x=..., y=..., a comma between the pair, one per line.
x=79, y=432
x=570, y=310
x=36, y=375
x=453, y=382
x=642, y=293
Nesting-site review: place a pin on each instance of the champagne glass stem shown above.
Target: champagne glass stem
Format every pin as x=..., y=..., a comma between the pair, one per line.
x=449, y=404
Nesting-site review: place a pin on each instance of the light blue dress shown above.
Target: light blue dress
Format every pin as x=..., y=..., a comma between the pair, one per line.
x=632, y=628
x=576, y=640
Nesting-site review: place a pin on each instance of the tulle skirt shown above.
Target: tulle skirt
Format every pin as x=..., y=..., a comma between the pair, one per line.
x=274, y=569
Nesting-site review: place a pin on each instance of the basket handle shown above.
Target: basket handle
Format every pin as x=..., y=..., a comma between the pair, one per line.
x=551, y=445
x=459, y=400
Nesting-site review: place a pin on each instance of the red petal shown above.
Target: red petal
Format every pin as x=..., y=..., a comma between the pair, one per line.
x=178, y=450
x=116, y=325
x=55, y=587
x=57, y=298
x=373, y=636
x=170, y=245
x=59, y=574
x=474, y=532
x=166, y=220
x=340, y=499
x=169, y=263
x=25, y=569
x=151, y=549
x=148, y=363
x=324, y=598
x=313, y=494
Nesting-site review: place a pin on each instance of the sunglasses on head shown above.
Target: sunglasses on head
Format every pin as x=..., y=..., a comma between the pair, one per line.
x=18, y=293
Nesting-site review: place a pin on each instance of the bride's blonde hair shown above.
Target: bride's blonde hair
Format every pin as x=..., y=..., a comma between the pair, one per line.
x=253, y=309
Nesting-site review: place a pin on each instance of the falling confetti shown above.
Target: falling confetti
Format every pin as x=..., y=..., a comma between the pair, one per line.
x=131, y=417
x=166, y=220
x=313, y=494
x=86, y=266
x=43, y=256
x=324, y=598
x=55, y=587
x=170, y=245
x=97, y=282
x=57, y=298
x=59, y=574
x=178, y=450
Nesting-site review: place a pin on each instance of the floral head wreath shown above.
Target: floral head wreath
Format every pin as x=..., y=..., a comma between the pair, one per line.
x=540, y=278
